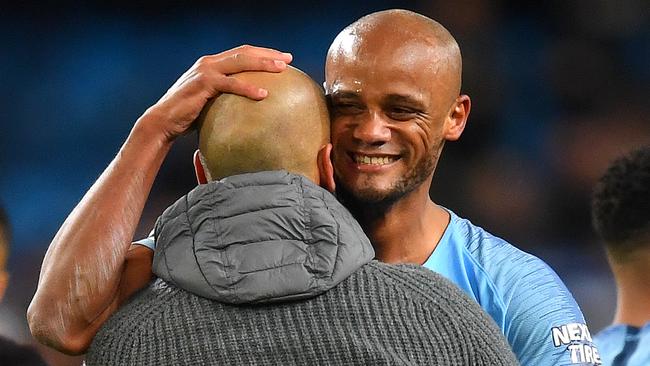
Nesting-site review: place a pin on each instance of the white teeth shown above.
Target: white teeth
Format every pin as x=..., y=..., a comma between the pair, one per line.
x=362, y=159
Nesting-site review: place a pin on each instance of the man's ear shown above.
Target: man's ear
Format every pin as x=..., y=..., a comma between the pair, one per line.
x=457, y=118
x=325, y=168
x=199, y=169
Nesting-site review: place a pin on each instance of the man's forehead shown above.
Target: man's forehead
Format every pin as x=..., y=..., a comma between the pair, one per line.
x=353, y=87
x=353, y=47
x=399, y=94
x=411, y=60
x=408, y=69
x=364, y=78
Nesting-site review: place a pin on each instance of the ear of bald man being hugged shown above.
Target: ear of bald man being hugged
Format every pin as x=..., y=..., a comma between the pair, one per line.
x=262, y=266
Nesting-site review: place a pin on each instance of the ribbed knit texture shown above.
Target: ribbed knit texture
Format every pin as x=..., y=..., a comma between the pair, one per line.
x=380, y=315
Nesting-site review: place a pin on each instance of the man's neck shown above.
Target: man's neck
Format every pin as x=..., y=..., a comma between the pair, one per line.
x=633, y=293
x=408, y=230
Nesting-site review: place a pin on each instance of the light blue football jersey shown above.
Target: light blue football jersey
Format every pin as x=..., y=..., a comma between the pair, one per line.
x=624, y=345
x=525, y=297
x=149, y=241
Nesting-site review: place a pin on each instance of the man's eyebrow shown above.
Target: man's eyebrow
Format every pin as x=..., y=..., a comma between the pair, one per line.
x=343, y=94
x=404, y=99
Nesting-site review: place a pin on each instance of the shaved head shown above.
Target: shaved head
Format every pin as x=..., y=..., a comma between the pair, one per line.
x=406, y=34
x=286, y=130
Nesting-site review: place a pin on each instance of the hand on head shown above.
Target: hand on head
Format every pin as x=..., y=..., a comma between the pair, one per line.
x=211, y=75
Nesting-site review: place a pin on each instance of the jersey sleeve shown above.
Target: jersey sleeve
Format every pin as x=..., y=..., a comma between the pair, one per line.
x=148, y=242
x=544, y=324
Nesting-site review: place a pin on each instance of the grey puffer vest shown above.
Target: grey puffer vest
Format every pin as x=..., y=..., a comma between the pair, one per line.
x=259, y=237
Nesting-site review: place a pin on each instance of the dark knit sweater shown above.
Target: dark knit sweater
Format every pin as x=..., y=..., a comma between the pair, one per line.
x=380, y=315
x=375, y=314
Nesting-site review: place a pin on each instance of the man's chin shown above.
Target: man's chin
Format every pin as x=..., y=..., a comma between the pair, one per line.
x=366, y=196
x=371, y=189
x=370, y=195
x=363, y=197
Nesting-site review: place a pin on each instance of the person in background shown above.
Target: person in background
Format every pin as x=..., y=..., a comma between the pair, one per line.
x=11, y=353
x=621, y=217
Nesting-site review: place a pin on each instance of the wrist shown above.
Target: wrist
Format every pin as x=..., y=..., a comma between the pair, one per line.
x=149, y=128
x=147, y=142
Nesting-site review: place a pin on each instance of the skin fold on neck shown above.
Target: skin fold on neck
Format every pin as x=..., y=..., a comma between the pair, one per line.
x=633, y=295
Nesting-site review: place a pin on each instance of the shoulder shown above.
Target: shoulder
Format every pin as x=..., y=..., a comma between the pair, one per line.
x=438, y=298
x=626, y=342
x=610, y=342
x=536, y=311
x=409, y=284
x=144, y=308
x=512, y=273
x=440, y=308
x=151, y=320
x=418, y=282
x=490, y=251
x=496, y=260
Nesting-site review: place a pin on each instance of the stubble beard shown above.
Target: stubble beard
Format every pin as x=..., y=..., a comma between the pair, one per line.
x=369, y=201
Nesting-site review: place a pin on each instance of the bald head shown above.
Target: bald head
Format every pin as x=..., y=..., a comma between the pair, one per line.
x=286, y=130
x=404, y=34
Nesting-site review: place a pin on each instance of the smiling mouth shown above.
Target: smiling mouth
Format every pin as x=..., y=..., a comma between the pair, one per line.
x=373, y=160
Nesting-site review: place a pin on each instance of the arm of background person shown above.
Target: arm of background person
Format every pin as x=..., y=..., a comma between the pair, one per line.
x=90, y=267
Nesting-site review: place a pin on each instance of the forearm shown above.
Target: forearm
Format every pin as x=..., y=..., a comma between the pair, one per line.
x=82, y=268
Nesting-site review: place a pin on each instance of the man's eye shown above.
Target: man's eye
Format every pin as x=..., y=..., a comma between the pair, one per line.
x=401, y=113
x=347, y=108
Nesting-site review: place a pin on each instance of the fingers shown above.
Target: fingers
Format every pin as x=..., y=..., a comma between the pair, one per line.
x=209, y=76
x=236, y=86
x=246, y=58
x=244, y=62
x=214, y=70
x=262, y=52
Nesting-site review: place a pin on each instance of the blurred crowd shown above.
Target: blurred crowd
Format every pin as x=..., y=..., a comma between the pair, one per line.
x=559, y=89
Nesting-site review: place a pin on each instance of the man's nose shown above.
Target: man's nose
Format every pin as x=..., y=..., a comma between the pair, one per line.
x=371, y=129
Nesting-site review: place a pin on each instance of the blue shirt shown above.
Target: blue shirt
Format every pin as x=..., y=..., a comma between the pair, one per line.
x=624, y=345
x=148, y=242
x=524, y=296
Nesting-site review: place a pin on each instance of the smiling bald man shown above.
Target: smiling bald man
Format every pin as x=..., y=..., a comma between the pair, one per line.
x=394, y=79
